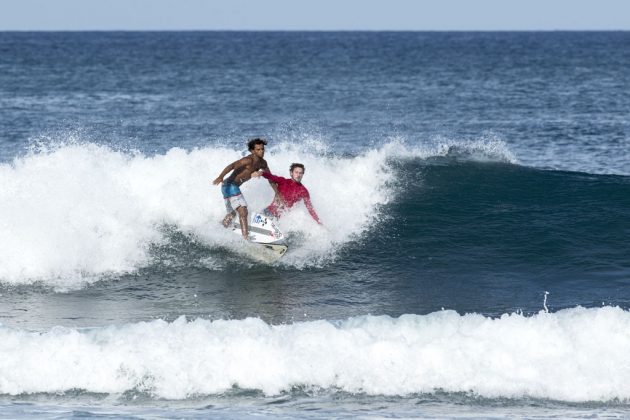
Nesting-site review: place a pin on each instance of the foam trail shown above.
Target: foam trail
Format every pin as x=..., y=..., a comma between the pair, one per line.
x=573, y=355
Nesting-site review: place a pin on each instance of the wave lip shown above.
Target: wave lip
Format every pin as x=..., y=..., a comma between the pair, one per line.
x=573, y=355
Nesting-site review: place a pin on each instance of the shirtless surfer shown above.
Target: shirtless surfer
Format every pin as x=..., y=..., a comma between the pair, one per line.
x=288, y=192
x=242, y=172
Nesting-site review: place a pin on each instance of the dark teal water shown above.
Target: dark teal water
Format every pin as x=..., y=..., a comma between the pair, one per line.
x=472, y=172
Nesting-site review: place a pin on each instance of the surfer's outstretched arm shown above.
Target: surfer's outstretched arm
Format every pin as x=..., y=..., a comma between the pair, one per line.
x=311, y=210
x=232, y=166
x=227, y=169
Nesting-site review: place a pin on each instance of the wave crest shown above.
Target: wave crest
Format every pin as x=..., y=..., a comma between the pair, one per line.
x=560, y=356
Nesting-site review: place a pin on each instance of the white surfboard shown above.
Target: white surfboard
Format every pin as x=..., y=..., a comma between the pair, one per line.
x=264, y=232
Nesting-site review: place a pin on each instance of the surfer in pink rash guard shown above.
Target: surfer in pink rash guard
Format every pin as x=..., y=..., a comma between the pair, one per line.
x=288, y=192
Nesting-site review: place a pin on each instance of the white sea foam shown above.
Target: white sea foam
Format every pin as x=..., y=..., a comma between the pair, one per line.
x=483, y=149
x=572, y=355
x=75, y=212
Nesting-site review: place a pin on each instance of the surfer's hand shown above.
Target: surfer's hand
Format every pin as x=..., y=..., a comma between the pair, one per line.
x=256, y=174
x=217, y=181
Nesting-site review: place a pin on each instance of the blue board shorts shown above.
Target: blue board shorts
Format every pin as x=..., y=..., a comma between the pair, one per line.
x=232, y=196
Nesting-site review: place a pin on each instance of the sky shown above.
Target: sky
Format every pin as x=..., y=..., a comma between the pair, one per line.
x=416, y=15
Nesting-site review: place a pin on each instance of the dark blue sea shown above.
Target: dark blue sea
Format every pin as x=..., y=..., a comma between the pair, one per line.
x=474, y=257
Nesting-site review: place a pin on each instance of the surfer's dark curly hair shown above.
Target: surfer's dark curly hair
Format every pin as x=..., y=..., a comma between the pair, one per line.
x=296, y=165
x=254, y=142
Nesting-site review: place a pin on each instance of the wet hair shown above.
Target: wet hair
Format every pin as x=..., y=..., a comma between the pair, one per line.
x=296, y=165
x=254, y=142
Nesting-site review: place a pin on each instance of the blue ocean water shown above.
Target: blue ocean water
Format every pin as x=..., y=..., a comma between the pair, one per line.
x=474, y=190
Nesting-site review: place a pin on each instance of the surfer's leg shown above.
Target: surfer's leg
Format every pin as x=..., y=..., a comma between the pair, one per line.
x=238, y=202
x=228, y=219
x=242, y=214
x=230, y=212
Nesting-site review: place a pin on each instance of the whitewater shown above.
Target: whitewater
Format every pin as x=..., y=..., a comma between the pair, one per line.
x=559, y=356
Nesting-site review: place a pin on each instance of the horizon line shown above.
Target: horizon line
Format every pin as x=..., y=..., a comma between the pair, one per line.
x=314, y=30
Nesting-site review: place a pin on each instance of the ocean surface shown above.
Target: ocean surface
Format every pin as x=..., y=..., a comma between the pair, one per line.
x=474, y=258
